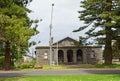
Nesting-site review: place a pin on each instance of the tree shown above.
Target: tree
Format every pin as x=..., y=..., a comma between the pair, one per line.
x=81, y=42
x=116, y=50
x=103, y=17
x=15, y=27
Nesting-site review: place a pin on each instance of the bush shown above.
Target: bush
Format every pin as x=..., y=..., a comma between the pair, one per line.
x=1, y=61
x=38, y=66
x=26, y=65
x=12, y=67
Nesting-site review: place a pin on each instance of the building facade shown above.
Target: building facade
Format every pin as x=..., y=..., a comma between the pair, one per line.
x=65, y=52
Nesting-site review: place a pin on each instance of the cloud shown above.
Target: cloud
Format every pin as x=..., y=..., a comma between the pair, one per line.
x=65, y=18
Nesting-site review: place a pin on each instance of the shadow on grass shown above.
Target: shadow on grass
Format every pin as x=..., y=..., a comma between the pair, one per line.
x=107, y=66
x=10, y=74
x=116, y=76
x=102, y=71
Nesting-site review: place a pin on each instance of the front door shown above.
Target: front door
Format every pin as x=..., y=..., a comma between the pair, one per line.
x=60, y=57
x=79, y=56
x=70, y=56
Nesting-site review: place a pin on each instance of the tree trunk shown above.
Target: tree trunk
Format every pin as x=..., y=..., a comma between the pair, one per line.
x=108, y=49
x=7, y=56
x=108, y=40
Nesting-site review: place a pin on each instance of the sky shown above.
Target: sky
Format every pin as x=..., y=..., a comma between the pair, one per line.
x=65, y=19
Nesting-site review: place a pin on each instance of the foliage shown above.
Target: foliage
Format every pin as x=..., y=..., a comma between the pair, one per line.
x=26, y=65
x=16, y=33
x=22, y=2
x=15, y=28
x=102, y=16
x=1, y=61
x=65, y=78
x=23, y=66
x=116, y=50
x=1, y=51
x=80, y=42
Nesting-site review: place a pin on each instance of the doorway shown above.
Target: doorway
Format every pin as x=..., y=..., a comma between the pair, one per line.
x=70, y=56
x=60, y=56
x=79, y=56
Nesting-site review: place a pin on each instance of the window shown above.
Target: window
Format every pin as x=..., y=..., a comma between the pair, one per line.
x=93, y=54
x=45, y=55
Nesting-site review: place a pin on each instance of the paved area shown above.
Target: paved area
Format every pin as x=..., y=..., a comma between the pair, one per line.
x=62, y=72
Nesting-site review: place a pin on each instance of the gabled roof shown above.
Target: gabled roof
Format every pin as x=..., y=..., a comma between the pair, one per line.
x=66, y=46
x=67, y=38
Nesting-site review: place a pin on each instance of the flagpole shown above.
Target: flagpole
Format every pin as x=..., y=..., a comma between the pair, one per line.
x=51, y=37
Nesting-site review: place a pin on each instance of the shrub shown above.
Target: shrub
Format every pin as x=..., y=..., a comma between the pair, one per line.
x=27, y=65
x=1, y=61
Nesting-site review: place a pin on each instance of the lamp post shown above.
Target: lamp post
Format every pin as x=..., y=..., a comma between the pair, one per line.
x=57, y=53
x=51, y=38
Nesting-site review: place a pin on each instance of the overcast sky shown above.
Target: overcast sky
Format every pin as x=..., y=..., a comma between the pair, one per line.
x=65, y=19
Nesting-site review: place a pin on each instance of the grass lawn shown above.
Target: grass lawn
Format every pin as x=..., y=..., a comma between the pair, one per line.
x=81, y=66
x=47, y=67
x=64, y=78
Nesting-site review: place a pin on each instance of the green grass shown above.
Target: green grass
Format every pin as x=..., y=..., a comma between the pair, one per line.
x=47, y=67
x=62, y=67
x=65, y=78
x=80, y=66
x=107, y=66
x=54, y=67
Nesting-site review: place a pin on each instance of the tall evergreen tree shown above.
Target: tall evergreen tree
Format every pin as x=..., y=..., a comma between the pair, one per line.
x=116, y=50
x=15, y=27
x=103, y=17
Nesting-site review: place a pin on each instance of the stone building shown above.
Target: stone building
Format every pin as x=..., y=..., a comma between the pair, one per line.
x=65, y=52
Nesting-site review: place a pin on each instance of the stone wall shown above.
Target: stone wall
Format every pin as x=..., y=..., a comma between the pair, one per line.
x=41, y=56
x=90, y=55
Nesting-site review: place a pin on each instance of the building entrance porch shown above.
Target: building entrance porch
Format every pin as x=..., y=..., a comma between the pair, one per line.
x=70, y=56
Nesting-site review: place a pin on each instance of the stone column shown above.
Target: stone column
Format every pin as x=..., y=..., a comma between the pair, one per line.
x=65, y=56
x=98, y=53
x=85, y=55
x=74, y=56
